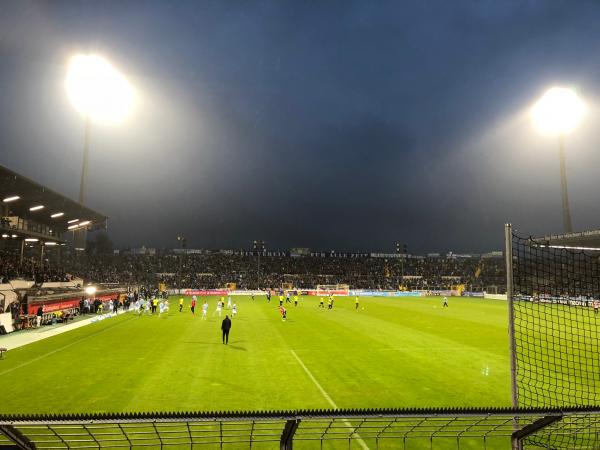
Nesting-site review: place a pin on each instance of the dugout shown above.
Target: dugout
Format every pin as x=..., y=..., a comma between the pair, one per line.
x=66, y=303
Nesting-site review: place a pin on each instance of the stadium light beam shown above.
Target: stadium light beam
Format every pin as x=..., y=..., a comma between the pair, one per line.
x=97, y=90
x=11, y=199
x=36, y=208
x=90, y=290
x=558, y=113
x=58, y=214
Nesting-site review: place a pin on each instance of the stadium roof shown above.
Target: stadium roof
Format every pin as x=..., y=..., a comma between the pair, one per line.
x=33, y=194
x=583, y=239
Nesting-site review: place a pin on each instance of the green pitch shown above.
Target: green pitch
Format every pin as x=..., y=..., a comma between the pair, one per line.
x=406, y=352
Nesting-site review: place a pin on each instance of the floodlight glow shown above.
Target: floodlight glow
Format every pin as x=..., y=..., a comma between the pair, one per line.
x=31, y=240
x=36, y=208
x=73, y=220
x=90, y=290
x=83, y=224
x=11, y=199
x=97, y=90
x=14, y=236
x=72, y=227
x=50, y=243
x=59, y=214
x=558, y=112
x=5, y=235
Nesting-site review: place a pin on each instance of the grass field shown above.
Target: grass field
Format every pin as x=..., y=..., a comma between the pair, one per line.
x=388, y=353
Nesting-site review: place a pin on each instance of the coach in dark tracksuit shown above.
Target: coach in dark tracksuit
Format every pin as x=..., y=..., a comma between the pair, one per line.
x=225, y=327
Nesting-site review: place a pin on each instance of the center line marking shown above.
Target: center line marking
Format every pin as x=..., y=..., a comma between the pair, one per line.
x=329, y=399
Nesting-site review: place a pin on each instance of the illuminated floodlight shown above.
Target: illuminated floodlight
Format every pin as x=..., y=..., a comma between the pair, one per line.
x=83, y=224
x=14, y=236
x=11, y=199
x=31, y=240
x=558, y=112
x=58, y=214
x=36, y=208
x=5, y=235
x=72, y=227
x=50, y=243
x=73, y=221
x=98, y=90
x=90, y=290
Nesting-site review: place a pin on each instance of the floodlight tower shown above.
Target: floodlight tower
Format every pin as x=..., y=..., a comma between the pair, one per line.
x=183, y=242
x=401, y=249
x=102, y=95
x=259, y=247
x=558, y=113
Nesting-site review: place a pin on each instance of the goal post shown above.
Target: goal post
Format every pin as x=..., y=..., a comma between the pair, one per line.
x=334, y=289
x=554, y=321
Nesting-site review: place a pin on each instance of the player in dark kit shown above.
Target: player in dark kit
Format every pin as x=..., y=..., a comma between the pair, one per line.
x=225, y=327
x=268, y=295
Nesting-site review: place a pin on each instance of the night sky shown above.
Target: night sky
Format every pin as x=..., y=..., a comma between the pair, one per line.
x=344, y=125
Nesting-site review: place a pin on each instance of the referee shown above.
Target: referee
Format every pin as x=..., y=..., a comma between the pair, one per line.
x=225, y=327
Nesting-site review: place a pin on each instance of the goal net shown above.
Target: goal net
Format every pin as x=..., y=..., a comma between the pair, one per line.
x=334, y=289
x=556, y=323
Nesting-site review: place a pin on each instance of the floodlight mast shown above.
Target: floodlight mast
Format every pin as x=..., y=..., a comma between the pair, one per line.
x=557, y=113
x=100, y=93
x=566, y=210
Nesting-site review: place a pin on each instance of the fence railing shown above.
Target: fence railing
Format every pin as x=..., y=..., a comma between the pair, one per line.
x=477, y=428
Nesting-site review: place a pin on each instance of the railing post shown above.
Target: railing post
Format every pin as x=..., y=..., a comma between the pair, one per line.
x=518, y=436
x=511, y=315
x=21, y=441
x=287, y=436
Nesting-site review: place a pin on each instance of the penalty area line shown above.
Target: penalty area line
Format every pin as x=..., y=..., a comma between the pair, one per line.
x=329, y=400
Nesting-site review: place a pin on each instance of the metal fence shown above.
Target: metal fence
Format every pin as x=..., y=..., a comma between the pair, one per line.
x=469, y=428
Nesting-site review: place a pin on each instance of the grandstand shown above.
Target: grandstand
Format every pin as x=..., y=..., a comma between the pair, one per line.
x=38, y=225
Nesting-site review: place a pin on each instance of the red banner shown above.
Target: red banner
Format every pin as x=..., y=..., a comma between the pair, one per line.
x=52, y=306
x=206, y=292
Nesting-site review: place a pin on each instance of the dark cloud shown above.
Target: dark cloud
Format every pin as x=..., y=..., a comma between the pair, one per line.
x=339, y=124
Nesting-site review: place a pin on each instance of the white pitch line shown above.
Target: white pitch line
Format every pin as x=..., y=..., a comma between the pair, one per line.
x=329, y=399
x=31, y=361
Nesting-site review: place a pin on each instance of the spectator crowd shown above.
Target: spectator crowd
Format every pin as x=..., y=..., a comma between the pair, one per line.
x=215, y=270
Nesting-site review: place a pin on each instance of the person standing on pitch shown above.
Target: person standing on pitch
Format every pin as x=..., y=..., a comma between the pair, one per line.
x=180, y=304
x=225, y=327
x=445, y=305
x=193, y=307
